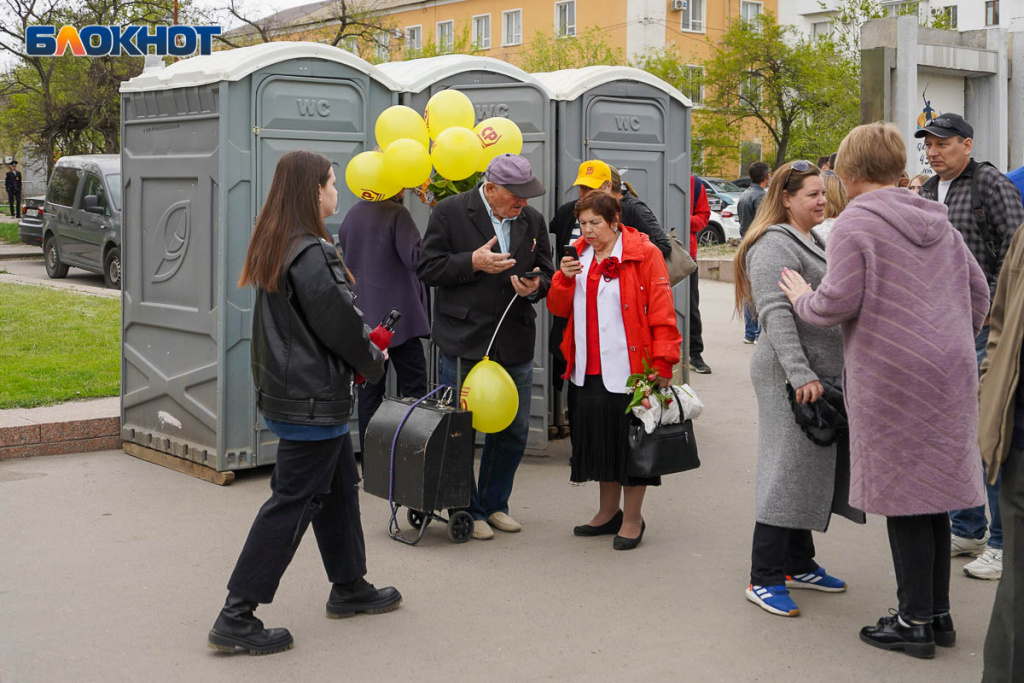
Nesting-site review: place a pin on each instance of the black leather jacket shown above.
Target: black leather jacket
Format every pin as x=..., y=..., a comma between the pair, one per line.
x=306, y=339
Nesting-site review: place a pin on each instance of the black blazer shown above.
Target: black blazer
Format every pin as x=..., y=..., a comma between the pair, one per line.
x=468, y=304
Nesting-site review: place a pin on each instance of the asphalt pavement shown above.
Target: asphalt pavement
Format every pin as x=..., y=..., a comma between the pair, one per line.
x=113, y=569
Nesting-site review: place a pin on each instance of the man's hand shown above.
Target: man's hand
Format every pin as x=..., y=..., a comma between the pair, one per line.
x=486, y=260
x=525, y=286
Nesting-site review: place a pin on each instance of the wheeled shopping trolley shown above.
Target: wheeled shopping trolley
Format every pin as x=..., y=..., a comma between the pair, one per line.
x=419, y=454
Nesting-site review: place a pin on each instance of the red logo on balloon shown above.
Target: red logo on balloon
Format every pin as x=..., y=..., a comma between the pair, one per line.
x=371, y=196
x=463, y=396
x=489, y=136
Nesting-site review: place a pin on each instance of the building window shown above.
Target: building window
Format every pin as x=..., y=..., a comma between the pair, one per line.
x=512, y=27
x=445, y=36
x=693, y=83
x=351, y=44
x=693, y=16
x=749, y=153
x=414, y=38
x=750, y=89
x=900, y=8
x=382, y=46
x=750, y=12
x=481, y=34
x=821, y=29
x=565, y=19
x=992, y=13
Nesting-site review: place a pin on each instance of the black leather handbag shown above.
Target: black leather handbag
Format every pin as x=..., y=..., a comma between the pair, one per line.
x=668, y=449
x=824, y=420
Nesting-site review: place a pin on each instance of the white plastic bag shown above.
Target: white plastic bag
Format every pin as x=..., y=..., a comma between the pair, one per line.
x=685, y=398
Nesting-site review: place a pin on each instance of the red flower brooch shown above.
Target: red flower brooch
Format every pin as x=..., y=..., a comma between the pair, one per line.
x=609, y=268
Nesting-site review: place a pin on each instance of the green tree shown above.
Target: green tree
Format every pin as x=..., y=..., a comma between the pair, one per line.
x=462, y=44
x=799, y=90
x=553, y=53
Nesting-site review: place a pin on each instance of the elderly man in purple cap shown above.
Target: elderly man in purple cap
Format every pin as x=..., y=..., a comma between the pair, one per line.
x=482, y=250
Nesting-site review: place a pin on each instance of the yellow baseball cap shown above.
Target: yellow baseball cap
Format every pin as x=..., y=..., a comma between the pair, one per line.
x=593, y=174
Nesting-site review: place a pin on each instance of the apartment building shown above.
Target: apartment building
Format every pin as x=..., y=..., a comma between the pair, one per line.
x=814, y=17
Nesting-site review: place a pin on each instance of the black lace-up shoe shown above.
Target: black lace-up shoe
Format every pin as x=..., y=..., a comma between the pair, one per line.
x=360, y=597
x=917, y=640
x=237, y=630
x=945, y=634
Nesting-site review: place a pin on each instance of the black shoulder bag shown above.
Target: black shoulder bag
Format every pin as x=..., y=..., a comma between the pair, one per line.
x=667, y=450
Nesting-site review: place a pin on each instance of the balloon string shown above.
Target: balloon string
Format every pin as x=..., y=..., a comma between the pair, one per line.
x=514, y=297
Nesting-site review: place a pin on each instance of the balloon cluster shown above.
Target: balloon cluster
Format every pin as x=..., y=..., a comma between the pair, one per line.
x=406, y=157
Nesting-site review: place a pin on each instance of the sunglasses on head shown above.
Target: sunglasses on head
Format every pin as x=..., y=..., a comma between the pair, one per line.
x=801, y=166
x=942, y=123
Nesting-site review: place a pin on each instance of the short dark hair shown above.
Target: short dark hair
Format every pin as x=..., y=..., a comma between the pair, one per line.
x=822, y=161
x=832, y=160
x=601, y=203
x=758, y=171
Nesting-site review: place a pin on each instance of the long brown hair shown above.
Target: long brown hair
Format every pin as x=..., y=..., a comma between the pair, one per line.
x=786, y=179
x=291, y=211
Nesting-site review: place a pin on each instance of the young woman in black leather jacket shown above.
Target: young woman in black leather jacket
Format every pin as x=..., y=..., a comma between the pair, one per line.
x=308, y=341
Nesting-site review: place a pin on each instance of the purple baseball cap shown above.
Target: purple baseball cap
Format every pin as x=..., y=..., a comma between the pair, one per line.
x=513, y=172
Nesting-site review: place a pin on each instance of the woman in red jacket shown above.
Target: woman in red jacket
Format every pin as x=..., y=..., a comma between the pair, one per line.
x=617, y=298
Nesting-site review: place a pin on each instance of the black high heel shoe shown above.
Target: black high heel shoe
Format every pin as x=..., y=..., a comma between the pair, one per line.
x=623, y=543
x=612, y=526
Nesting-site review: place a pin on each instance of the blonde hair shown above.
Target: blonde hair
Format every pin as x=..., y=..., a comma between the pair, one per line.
x=835, y=195
x=922, y=177
x=873, y=152
x=618, y=184
x=786, y=180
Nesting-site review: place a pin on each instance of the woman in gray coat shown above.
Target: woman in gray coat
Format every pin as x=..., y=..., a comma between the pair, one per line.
x=799, y=483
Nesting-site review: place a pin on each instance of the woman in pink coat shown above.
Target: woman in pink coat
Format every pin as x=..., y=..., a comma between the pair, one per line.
x=910, y=299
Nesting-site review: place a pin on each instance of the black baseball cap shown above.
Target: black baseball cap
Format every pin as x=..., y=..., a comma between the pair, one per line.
x=946, y=126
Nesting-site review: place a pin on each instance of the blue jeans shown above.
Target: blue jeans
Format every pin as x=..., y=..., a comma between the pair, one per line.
x=751, y=325
x=502, y=451
x=970, y=523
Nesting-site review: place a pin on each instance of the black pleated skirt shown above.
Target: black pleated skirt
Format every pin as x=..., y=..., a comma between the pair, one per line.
x=600, y=435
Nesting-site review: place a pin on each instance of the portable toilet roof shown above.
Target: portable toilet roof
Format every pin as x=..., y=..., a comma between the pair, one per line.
x=568, y=84
x=416, y=75
x=236, y=64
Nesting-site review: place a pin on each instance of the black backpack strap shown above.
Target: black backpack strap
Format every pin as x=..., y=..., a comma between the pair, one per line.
x=981, y=218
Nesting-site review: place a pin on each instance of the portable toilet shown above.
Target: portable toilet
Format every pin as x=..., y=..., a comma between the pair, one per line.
x=496, y=88
x=200, y=141
x=639, y=124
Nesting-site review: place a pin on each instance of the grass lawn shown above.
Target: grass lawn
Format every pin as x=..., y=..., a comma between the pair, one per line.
x=9, y=233
x=57, y=346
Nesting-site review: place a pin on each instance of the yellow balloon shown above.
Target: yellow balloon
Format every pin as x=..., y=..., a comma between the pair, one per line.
x=407, y=163
x=456, y=153
x=395, y=123
x=491, y=395
x=448, y=109
x=367, y=177
x=498, y=136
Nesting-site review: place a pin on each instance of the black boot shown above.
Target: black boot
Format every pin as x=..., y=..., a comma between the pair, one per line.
x=917, y=640
x=238, y=630
x=360, y=597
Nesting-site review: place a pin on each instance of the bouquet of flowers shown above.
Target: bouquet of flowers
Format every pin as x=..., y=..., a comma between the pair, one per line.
x=654, y=405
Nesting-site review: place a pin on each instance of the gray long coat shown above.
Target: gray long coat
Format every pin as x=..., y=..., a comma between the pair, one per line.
x=796, y=479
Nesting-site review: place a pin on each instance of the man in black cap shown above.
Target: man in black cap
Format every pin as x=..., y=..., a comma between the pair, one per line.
x=12, y=183
x=986, y=208
x=483, y=250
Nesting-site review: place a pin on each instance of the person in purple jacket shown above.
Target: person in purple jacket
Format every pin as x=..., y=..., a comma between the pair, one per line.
x=381, y=247
x=910, y=298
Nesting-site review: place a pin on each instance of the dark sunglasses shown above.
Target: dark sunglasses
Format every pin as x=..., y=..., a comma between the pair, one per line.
x=801, y=166
x=941, y=123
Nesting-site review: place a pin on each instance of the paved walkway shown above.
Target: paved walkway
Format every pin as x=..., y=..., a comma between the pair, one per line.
x=113, y=569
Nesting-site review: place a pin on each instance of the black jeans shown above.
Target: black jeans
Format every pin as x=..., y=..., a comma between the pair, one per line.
x=920, y=555
x=314, y=481
x=696, y=340
x=780, y=552
x=14, y=202
x=411, y=371
x=1004, y=644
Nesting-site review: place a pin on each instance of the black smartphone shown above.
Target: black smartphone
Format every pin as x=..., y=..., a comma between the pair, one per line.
x=571, y=252
x=529, y=276
x=390, y=320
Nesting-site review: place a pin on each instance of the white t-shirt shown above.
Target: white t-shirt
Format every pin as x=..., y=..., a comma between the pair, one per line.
x=943, y=189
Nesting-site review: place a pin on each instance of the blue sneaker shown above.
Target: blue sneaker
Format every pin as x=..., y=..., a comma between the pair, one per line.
x=817, y=580
x=774, y=599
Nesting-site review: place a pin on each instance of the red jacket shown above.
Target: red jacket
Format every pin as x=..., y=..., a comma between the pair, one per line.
x=648, y=312
x=700, y=215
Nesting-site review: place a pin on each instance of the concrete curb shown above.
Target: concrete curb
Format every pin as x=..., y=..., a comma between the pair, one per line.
x=716, y=269
x=13, y=252
x=76, y=427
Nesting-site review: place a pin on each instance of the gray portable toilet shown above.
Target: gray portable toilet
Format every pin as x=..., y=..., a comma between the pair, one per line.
x=496, y=88
x=641, y=125
x=200, y=140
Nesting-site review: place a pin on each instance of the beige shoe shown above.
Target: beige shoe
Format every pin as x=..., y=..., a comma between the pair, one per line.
x=502, y=522
x=481, y=530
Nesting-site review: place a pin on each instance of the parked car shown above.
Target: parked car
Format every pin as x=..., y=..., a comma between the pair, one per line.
x=82, y=217
x=722, y=187
x=30, y=226
x=742, y=183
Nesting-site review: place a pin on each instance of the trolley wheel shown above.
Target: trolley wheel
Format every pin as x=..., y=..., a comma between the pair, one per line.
x=416, y=518
x=460, y=527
